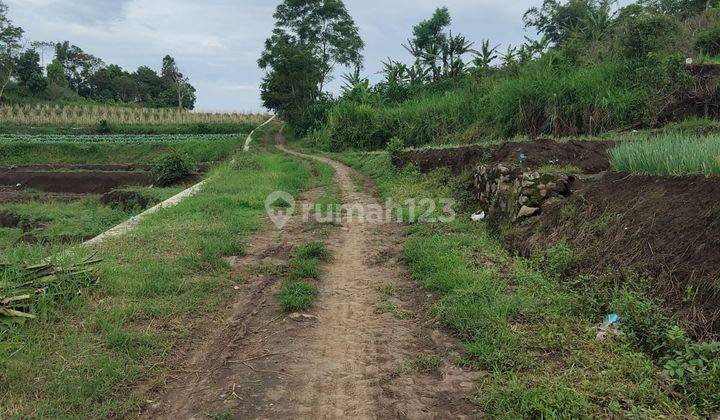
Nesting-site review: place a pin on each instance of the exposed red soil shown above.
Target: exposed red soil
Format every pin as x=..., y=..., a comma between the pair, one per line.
x=588, y=156
x=666, y=228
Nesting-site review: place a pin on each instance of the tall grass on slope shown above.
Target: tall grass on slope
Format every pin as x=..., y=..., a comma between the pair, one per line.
x=669, y=154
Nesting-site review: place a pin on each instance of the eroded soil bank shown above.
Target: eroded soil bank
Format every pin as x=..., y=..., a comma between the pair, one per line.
x=587, y=156
x=666, y=229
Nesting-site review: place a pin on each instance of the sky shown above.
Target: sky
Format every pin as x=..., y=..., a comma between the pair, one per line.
x=217, y=42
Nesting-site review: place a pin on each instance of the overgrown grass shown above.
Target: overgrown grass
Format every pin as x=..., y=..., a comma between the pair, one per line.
x=669, y=154
x=59, y=222
x=297, y=295
x=531, y=328
x=156, y=283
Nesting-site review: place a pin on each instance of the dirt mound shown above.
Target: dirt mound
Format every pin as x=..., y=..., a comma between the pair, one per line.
x=127, y=200
x=456, y=158
x=588, y=156
x=667, y=228
x=9, y=219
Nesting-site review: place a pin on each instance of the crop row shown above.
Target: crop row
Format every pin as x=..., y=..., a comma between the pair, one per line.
x=85, y=115
x=141, y=138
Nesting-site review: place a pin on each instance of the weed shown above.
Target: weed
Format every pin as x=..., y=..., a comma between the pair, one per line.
x=304, y=268
x=384, y=305
x=422, y=364
x=387, y=289
x=310, y=250
x=297, y=295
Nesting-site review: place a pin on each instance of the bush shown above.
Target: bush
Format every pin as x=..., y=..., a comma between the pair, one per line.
x=172, y=168
x=103, y=127
x=707, y=42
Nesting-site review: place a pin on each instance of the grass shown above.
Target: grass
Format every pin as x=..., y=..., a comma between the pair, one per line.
x=531, y=328
x=156, y=284
x=297, y=295
x=313, y=250
x=60, y=222
x=669, y=154
x=19, y=150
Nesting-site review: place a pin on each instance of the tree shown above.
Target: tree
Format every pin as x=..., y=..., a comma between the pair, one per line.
x=292, y=82
x=559, y=21
x=325, y=28
x=178, y=82
x=439, y=52
x=10, y=48
x=79, y=66
x=28, y=65
x=679, y=8
x=56, y=74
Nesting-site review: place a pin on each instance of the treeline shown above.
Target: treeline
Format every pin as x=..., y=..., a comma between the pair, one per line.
x=75, y=75
x=593, y=67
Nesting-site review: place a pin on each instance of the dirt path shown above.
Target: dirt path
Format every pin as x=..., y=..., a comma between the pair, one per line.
x=354, y=356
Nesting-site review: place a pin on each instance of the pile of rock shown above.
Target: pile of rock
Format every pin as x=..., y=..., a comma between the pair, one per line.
x=510, y=193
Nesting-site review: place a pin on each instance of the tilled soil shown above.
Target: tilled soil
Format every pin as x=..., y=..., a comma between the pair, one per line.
x=588, y=156
x=338, y=360
x=662, y=227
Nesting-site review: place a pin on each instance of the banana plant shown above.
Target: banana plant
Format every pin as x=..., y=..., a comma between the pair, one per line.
x=484, y=58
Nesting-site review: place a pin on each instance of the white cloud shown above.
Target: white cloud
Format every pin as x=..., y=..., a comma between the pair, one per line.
x=217, y=42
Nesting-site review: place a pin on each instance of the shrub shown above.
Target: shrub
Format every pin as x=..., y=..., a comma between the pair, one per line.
x=708, y=41
x=103, y=127
x=172, y=168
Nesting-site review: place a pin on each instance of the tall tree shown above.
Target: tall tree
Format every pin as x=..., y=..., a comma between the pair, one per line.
x=79, y=66
x=10, y=48
x=179, y=83
x=325, y=28
x=292, y=81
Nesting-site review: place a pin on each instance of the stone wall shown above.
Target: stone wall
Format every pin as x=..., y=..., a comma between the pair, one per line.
x=509, y=193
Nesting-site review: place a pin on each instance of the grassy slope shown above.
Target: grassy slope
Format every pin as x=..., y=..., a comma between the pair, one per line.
x=84, y=357
x=59, y=222
x=520, y=320
x=128, y=151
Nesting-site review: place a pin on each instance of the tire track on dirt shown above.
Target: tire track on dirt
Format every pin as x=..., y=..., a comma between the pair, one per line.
x=339, y=362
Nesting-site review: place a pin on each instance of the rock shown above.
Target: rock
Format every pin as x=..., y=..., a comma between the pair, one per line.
x=296, y=316
x=526, y=211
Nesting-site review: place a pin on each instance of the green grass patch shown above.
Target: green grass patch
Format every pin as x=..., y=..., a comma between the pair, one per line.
x=669, y=154
x=316, y=250
x=155, y=284
x=297, y=295
x=25, y=150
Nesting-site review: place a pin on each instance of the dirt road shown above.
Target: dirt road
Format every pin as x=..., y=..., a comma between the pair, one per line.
x=365, y=350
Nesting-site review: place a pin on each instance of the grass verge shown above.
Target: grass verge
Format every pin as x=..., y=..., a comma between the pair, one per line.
x=534, y=330
x=156, y=283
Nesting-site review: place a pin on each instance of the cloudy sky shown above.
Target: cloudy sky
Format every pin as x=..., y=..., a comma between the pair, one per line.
x=217, y=42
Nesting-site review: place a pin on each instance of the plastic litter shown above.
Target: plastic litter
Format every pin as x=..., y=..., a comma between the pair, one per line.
x=607, y=327
x=133, y=219
x=477, y=217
